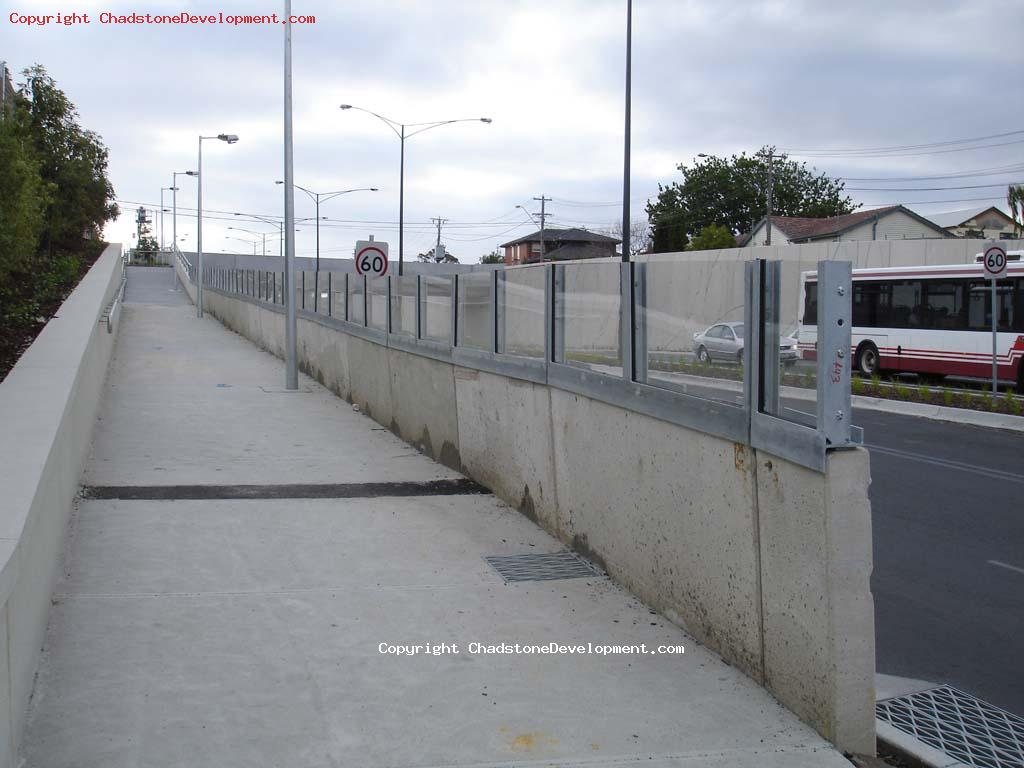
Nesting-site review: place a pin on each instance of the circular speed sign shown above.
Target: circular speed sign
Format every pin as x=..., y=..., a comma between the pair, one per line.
x=372, y=261
x=994, y=261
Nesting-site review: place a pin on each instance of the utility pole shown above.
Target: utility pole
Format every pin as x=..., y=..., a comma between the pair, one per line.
x=439, y=221
x=543, y=219
x=770, y=157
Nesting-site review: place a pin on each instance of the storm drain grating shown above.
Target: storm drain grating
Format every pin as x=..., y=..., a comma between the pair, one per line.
x=542, y=567
x=965, y=728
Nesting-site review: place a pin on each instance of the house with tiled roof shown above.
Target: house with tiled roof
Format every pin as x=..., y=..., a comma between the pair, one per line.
x=984, y=223
x=559, y=245
x=893, y=222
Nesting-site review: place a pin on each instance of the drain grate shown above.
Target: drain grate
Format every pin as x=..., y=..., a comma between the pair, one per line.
x=965, y=728
x=542, y=567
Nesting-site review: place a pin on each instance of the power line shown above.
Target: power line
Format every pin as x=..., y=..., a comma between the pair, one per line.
x=905, y=147
x=926, y=189
x=996, y=171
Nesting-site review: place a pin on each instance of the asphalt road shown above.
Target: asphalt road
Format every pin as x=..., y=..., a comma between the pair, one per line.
x=948, y=525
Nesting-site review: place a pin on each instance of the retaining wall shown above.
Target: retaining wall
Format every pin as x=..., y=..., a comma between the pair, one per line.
x=48, y=406
x=765, y=562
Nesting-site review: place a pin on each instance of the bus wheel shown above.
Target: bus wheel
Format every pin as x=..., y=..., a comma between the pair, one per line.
x=867, y=359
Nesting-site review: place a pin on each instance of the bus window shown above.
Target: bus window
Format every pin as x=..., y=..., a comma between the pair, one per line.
x=906, y=304
x=980, y=307
x=865, y=304
x=944, y=305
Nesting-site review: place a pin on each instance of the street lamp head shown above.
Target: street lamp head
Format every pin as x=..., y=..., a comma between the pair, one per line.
x=191, y=173
x=279, y=182
x=374, y=189
x=485, y=120
x=346, y=106
x=230, y=138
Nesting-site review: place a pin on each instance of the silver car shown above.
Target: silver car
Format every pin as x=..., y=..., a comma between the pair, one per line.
x=724, y=341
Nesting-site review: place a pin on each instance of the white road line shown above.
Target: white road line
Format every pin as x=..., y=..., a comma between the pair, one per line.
x=995, y=474
x=1007, y=567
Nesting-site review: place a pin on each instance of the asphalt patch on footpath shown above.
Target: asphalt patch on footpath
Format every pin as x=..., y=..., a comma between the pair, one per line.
x=458, y=487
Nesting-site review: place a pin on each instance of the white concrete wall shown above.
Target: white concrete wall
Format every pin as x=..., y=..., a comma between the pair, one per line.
x=763, y=561
x=48, y=406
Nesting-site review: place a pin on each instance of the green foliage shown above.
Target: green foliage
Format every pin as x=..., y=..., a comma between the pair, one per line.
x=494, y=257
x=947, y=398
x=926, y=393
x=857, y=386
x=1013, y=405
x=72, y=160
x=902, y=392
x=987, y=401
x=712, y=237
x=23, y=199
x=731, y=192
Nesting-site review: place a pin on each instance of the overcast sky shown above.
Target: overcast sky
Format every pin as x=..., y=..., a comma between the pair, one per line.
x=711, y=77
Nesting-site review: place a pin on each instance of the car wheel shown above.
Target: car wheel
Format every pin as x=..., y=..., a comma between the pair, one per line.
x=739, y=357
x=868, y=359
x=703, y=356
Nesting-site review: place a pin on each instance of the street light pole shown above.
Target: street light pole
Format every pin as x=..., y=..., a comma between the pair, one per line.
x=174, y=197
x=317, y=197
x=400, y=132
x=291, y=361
x=625, y=167
x=230, y=139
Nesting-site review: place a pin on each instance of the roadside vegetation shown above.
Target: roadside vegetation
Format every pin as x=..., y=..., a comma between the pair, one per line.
x=55, y=197
x=976, y=398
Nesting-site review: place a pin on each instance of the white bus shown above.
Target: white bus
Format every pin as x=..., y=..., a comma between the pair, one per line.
x=929, y=320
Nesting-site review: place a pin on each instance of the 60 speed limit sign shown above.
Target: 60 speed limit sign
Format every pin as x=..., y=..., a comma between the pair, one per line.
x=994, y=261
x=371, y=258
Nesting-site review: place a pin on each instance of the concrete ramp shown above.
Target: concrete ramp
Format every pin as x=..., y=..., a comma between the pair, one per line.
x=247, y=629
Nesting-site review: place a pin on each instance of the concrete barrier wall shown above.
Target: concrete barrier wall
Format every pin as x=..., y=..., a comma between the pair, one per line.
x=48, y=406
x=763, y=561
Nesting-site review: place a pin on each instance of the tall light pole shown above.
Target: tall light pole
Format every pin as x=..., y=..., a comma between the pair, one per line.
x=253, y=243
x=174, y=197
x=254, y=232
x=230, y=139
x=400, y=132
x=162, y=209
x=291, y=375
x=317, y=198
x=625, y=156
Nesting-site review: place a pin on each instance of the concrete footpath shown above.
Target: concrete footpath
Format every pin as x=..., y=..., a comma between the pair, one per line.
x=244, y=630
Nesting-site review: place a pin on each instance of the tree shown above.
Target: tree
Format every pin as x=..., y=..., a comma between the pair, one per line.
x=731, y=192
x=494, y=257
x=71, y=159
x=1015, y=199
x=430, y=257
x=639, y=236
x=712, y=237
x=23, y=198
